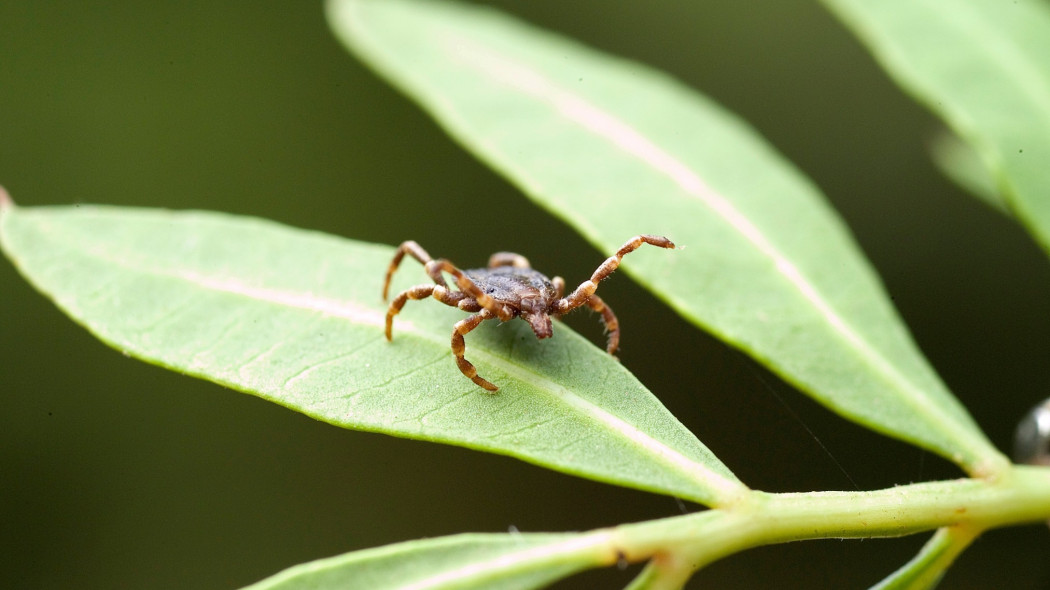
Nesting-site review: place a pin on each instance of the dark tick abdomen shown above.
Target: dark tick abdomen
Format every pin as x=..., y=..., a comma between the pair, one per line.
x=510, y=285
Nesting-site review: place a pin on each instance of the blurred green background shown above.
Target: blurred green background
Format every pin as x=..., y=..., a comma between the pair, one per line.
x=117, y=474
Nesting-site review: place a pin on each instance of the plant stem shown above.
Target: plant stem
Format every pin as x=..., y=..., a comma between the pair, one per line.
x=1020, y=495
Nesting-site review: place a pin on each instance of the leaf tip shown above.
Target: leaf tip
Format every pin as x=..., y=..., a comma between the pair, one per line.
x=6, y=202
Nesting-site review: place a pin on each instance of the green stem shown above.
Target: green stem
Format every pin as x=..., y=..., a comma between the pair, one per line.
x=1020, y=495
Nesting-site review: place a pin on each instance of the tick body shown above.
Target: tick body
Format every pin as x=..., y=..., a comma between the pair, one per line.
x=508, y=288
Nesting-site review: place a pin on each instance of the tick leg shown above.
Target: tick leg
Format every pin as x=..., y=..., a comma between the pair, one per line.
x=417, y=292
x=559, y=287
x=461, y=328
x=436, y=267
x=508, y=259
x=408, y=247
x=440, y=293
x=612, y=325
x=587, y=288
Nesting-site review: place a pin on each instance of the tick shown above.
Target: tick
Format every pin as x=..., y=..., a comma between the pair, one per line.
x=506, y=289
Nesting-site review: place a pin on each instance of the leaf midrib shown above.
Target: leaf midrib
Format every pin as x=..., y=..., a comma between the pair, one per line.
x=520, y=560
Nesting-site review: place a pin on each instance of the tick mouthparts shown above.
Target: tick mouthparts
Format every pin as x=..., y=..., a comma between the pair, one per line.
x=541, y=324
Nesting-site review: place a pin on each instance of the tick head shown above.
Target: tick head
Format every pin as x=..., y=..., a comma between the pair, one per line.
x=534, y=311
x=540, y=322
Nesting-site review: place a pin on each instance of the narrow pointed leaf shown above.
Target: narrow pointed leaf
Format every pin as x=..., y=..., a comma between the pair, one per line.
x=296, y=317
x=616, y=149
x=927, y=568
x=984, y=67
x=459, y=562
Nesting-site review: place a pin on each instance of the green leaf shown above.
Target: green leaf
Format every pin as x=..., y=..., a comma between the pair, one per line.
x=959, y=162
x=927, y=568
x=617, y=149
x=461, y=562
x=984, y=67
x=296, y=317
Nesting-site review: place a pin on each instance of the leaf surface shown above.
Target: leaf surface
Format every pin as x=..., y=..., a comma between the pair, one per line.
x=459, y=562
x=926, y=569
x=984, y=67
x=295, y=317
x=617, y=149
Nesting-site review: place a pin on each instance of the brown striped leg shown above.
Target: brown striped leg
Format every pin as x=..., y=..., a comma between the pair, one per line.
x=442, y=294
x=417, y=292
x=559, y=287
x=508, y=259
x=462, y=328
x=417, y=252
x=612, y=325
x=436, y=267
x=587, y=288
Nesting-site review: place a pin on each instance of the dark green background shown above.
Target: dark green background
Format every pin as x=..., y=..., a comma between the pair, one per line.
x=117, y=474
